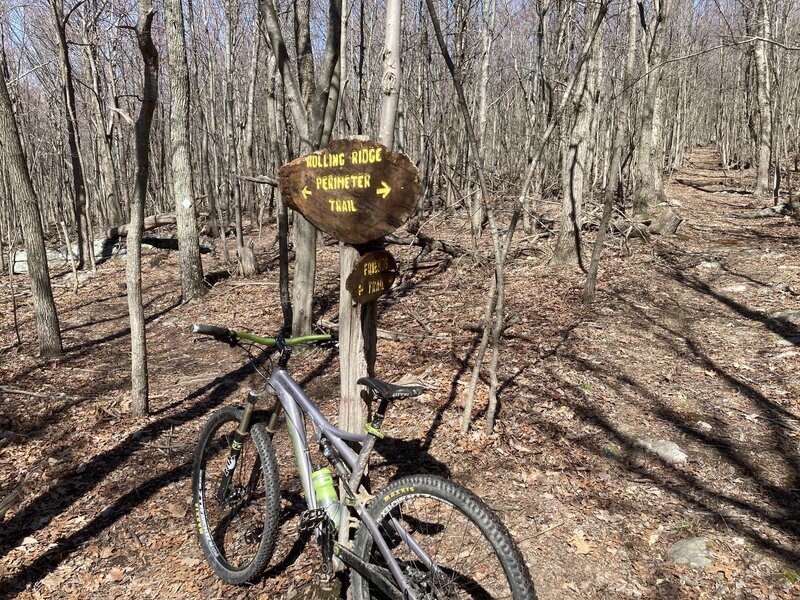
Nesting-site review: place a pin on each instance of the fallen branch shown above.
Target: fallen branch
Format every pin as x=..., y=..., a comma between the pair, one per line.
x=11, y=500
x=10, y=390
x=259, y=179
x=246, y=283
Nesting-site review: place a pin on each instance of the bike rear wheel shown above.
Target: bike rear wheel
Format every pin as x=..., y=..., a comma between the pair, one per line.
x=466, y=552
x=238, y=531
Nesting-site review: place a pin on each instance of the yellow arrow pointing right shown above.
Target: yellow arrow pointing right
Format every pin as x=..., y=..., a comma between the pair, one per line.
x=384, y=189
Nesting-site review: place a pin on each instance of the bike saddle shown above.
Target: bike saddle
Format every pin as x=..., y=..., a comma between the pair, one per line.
x=390, y=391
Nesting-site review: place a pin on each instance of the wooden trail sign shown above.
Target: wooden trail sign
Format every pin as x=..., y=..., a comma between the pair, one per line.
x=372, y=276
x=355, y=190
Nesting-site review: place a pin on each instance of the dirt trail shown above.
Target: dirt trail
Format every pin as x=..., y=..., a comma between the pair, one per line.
x=694, y=340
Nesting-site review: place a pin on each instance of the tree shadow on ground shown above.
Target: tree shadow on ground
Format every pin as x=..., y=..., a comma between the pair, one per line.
x=99, y=386
x=751, y=501
x=73, y=486
x=786, y=330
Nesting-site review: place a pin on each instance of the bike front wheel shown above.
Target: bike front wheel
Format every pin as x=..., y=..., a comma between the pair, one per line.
x=238, y=526
x=447, y=542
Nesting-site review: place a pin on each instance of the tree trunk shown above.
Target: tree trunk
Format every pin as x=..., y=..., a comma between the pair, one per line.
x=311, y=127
x=757, y=23
x=276, y=120
x=244, y=254
x=358, y=323
x=104, y=124
x=250, y=188
x=139, y=383
x=28, y=207
x=646, y=193
x=183, y=184
x=305, y=235
x=574, y=172
x=613, y=183
x=487, y=33
x=68, y=87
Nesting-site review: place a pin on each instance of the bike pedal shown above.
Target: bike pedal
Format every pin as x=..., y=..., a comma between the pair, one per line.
x=312, y=517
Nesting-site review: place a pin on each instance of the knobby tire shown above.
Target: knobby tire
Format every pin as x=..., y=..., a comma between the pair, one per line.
x=474, y=552
x=237, y=534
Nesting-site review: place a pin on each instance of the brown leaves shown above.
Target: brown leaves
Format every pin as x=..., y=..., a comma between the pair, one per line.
x=579, y=542
x=175, y=510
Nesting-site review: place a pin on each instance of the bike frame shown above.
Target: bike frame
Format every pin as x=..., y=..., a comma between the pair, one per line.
x=295, y=403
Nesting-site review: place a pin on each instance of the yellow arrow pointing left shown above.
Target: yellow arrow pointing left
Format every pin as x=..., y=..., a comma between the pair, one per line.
x=305, y=191
x=384, y=189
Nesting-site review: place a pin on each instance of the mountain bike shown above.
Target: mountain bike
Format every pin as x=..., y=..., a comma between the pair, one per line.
x=423, y=536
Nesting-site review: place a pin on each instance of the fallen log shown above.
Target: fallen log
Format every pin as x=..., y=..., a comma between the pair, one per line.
x=426, y=242
x=150, y=222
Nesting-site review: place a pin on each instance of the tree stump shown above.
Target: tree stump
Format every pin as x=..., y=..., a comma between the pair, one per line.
x=666, y=223
x=247, y=261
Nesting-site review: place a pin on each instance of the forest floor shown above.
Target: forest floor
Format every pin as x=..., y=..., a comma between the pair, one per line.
x=693, y=339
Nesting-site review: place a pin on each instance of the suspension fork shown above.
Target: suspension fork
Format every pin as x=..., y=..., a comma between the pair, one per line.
x=272, y=427
x=237, y=443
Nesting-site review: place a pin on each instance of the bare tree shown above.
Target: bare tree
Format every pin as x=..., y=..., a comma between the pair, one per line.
x=648, y=167
x=358, y=322
x=80, y=199
x=182, y=180
x=110, y=204
x=758, y=27
x=28, y=206
x=308, y=117
x=574, y=168
x=139, y=383
x=613, y=182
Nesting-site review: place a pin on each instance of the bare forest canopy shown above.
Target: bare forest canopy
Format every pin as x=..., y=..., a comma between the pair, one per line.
x=514, y=113
x=724, y=71
x=552, y=124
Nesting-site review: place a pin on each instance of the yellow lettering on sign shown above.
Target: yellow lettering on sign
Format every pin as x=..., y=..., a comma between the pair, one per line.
x=359, y=181
x=376, y=266
x=365, y=156
x=375, y=286
x=317, y=161
x=346, y=205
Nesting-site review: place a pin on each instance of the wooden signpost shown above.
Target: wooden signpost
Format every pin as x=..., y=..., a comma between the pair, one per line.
x=372, y=276
x=357, y=191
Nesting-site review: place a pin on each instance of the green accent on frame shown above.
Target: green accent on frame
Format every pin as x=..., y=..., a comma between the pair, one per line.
x=373, y=430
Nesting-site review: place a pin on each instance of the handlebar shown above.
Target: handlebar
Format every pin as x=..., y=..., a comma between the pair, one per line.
x=229, y=336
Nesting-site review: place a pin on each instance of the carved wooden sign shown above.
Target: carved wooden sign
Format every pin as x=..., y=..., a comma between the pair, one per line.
x=354, y=190
x=372, y=276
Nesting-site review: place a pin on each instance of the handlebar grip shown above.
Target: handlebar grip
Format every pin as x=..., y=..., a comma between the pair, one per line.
x=218, y=333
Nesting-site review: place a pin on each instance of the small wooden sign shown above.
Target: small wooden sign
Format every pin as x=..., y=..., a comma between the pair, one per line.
x=372, y=276
x=355, y=190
